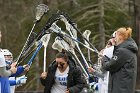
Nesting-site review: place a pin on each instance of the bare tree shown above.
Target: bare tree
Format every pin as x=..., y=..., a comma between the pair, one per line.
x=137, y=20
x=101, y=25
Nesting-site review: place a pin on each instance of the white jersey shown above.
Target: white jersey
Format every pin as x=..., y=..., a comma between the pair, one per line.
x=12, y=88
x=109, y=51
x=103, y=83
x=2, y=60
x=60, y=85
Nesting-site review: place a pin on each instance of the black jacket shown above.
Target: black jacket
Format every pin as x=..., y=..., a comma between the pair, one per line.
x=123, y=67
x=75, y=81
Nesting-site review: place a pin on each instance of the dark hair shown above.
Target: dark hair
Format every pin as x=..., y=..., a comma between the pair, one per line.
x=63, y=55
x=109, y=43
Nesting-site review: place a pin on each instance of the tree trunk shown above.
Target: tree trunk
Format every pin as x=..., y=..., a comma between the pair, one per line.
x=47, y=2
x=137, y=20
x=101, y=25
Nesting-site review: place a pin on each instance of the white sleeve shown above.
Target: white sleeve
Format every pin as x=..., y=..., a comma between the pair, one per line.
x=2, y=60
x=109, y=51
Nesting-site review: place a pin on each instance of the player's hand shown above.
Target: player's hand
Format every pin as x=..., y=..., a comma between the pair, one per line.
x=90, y=70
x=13, y=70
x=26, y=67
x=44, y=75
x=67, y=91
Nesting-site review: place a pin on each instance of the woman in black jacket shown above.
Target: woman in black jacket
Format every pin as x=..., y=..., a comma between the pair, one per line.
x=123, y=64
x=57, y=81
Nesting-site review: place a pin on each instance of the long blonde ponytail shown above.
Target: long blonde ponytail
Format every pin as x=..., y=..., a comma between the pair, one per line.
x=125, y=32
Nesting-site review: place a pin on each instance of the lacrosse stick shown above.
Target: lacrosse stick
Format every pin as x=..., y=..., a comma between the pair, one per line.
x=40, y=11
x=66, y=19
x=60, y=44
x=35, y=53
x=70, y=30
x=39, y=46
x=86, y=34
x=45, y=39
x=44, y=30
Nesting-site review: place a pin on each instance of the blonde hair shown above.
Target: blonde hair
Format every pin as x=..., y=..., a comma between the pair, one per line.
x=125, y=32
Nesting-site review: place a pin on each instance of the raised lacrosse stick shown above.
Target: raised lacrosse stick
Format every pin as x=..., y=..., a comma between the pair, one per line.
x=86, y=34
x=66, y=19
x=45, y=39
x=39, y=45
x=40, y=11
x=70, y=30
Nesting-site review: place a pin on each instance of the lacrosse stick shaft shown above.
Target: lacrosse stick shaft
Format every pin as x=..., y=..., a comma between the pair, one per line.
x=89, y=59
x=27, y=40
x=85, y=72
x=82, y=54
x=45, y=39
x=45, y=48
x=34, y=54
x=80, y=64
x=27, y=55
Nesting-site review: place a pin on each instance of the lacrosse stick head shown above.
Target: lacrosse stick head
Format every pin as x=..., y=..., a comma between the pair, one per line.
x=60, y=44
x=40, y=10
x=57, y=46
x=86, y=34
x=45, y=39
x=70, y=41
x=69, y=27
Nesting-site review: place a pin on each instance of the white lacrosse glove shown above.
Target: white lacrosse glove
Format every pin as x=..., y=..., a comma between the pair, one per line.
x=21, y=80
x=94, y=85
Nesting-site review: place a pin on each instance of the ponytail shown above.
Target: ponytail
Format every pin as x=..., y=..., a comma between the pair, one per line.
x=125, y=32
x=129, y=32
